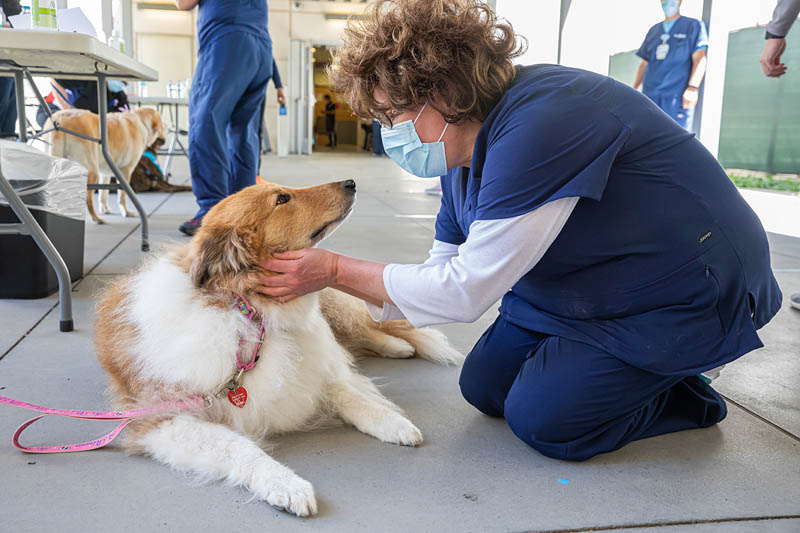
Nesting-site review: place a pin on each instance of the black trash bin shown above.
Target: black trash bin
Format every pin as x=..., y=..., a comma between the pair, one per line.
x=55, y=192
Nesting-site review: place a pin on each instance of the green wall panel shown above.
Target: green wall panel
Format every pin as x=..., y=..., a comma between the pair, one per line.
x=760, y=116
x=622, y=67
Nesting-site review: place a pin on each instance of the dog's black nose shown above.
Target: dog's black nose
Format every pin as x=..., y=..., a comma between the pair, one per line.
x=349, y=184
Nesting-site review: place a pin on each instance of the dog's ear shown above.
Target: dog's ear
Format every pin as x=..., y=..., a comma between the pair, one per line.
x=218, y=257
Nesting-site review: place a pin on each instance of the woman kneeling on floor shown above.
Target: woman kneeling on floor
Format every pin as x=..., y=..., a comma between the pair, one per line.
x=627, y=262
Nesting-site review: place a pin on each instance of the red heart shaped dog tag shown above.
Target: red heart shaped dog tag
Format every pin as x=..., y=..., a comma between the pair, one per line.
x=238, y=396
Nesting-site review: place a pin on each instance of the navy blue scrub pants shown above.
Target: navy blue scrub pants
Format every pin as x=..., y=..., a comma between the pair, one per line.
x=569, y=400
x=227, y=90
x=672, y=105
x=8, y=107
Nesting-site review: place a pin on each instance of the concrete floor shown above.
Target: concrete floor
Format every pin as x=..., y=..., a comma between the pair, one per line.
x=471, y=474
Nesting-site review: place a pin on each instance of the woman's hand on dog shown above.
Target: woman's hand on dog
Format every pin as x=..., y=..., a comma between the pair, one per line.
x=298, y=273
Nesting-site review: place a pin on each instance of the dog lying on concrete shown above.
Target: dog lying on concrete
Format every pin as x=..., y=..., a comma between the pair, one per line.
x=148, y=177
x=176, y=328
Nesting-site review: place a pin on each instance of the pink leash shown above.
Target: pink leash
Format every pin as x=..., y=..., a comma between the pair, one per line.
x=237, y=395
x=126, y=416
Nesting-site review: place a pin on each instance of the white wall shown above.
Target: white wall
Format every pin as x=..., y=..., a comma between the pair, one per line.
x=93, y=9
x=166, y=41
x=537, y=21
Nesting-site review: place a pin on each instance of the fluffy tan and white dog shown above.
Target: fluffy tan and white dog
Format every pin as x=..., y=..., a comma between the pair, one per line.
x=129, y=133
x=171, y=329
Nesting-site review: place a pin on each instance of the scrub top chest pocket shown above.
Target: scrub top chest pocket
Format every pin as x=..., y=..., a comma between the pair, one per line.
x=663, y=49
x=672, y=47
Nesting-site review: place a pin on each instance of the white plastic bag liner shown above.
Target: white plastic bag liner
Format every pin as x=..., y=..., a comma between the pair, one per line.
x=42, y=181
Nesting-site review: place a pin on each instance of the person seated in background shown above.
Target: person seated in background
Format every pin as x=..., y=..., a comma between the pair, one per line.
x=673, y=63
x=69, y=94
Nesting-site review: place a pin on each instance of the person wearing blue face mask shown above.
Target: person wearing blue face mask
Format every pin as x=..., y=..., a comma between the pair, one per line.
x=402, y=144
x=628, y=266
x=673, y=63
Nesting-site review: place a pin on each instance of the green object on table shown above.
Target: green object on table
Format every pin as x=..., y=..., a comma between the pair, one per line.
x=43, y=14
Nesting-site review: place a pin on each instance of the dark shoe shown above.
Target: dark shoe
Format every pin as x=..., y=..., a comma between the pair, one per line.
x=190, y=227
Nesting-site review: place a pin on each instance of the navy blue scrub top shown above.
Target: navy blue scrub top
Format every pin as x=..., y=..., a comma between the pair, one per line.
x=670, y=76
x=661, y=263
x=219, y=17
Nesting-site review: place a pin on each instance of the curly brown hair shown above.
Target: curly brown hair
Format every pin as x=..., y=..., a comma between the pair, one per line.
x=454, y=54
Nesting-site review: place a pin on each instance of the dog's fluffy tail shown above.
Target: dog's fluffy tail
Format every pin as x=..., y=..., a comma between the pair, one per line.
x=430, y=344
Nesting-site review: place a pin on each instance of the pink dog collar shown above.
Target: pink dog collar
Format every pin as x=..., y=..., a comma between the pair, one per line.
x=237, y=394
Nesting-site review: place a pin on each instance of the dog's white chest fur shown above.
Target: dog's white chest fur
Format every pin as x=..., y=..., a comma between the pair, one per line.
x=186, y=342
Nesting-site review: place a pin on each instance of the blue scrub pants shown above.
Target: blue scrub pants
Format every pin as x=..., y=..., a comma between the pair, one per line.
x=227, y=90
x=8, y=107
x=569, y=400
x=672, y=105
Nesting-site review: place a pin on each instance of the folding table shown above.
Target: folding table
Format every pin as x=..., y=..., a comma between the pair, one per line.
x=28, y=53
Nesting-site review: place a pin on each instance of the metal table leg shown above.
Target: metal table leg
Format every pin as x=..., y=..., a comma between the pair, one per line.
x=102, y=105
x=171, y=149
x=30, y=226
x=19, y=85
x=175, y=130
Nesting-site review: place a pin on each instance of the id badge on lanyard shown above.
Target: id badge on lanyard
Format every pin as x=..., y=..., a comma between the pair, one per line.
x=662, y=49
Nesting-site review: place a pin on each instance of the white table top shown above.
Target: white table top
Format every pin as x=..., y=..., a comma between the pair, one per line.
x=68, y=55
x=157, y=100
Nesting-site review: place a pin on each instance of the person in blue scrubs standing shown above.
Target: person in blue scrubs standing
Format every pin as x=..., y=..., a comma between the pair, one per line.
x=628, y=266
x=234, y=64
x=673, y=63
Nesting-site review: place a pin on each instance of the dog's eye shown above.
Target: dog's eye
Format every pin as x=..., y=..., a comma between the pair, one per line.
x=282, y=199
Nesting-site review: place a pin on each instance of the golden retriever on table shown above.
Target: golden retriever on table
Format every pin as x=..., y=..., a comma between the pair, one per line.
x=129, y=134
x=174, y=329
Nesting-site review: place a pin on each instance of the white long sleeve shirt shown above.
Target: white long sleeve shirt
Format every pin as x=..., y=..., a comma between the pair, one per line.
x=459, y=283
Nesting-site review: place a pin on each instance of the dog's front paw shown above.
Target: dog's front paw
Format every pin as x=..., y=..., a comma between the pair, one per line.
x=397, y=429
x=103, y=209
x=293, y=494
x=128, y=213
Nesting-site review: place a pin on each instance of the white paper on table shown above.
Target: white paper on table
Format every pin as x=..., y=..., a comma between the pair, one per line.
x=21, y=21
x=74, y=20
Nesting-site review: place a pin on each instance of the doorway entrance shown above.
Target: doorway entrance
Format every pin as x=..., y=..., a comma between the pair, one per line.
x=320, y=119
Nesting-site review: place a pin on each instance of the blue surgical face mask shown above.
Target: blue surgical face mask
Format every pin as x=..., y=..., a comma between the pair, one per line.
x=116, y=86
x=402, y=143
x=670, y=7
